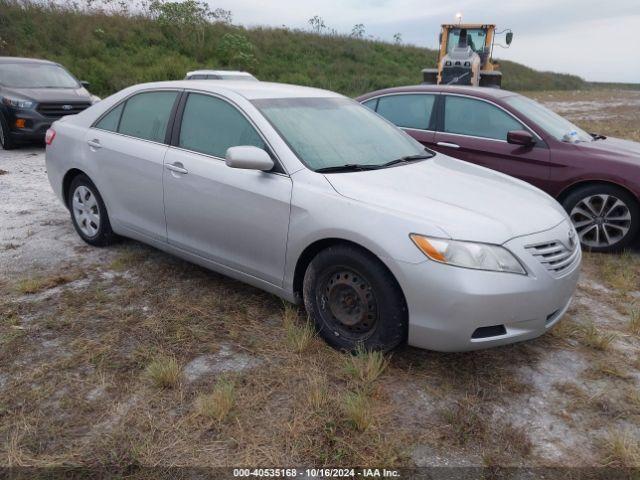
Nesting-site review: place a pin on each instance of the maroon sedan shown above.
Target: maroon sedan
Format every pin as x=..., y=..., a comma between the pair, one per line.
x=595, y=178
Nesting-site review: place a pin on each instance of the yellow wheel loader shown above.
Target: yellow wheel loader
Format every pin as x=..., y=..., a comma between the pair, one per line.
x=465, y=56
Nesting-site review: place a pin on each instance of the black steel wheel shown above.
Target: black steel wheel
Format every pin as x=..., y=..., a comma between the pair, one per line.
x=354, y=300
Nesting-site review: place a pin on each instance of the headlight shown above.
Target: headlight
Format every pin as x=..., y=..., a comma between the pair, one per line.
x=17, y=103
x=479, y=256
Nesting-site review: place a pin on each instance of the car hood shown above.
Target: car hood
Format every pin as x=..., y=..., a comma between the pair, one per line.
x=467, y=202
x=49, y=94
x=613, y=147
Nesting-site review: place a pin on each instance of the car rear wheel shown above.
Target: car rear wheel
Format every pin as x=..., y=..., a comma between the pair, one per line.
x=6, y=143
x=354, y=300
x=88, y=212
x=606, y=217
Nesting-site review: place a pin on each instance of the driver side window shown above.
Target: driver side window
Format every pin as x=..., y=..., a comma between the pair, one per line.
x=477, y=118
x=211, y=126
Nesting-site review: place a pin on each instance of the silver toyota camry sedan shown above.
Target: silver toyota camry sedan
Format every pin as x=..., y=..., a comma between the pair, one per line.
x=313, y=197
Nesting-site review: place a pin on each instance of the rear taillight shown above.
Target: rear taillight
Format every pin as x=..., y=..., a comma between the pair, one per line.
x=49, y=136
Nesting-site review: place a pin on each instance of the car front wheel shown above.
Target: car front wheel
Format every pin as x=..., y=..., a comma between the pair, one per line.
x=606, y=217
x=354, y=301
x=88, y=212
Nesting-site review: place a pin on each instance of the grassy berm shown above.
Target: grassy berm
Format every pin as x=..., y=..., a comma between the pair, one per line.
x=115, y=50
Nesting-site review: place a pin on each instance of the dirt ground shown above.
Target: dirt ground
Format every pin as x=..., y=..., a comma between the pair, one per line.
x=128, y=356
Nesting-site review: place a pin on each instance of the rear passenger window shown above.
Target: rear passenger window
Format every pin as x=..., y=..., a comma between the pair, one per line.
x=409, y=111
x=110, y=121
x=146, y=115
x=477, y=118
x=211, y=126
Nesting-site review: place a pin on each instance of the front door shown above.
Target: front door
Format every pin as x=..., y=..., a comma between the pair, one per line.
x=476, y=131
x=237, y=218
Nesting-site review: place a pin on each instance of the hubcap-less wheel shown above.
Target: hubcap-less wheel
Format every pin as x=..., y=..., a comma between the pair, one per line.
x=601, y=220
x=347, y=303
x=85, y=211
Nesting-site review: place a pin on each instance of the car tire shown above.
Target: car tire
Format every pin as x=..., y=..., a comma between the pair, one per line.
x=88, y=212
x=354, y=300
x=606, y=217
x=6, y=142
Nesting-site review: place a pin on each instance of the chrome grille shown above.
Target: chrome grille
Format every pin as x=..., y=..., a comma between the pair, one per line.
x=60, y=109
x=555, y=256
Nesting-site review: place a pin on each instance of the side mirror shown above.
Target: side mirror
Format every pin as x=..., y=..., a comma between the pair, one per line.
x=248, y=158
x=85, y=84
x=509, y=38
x=520, y=137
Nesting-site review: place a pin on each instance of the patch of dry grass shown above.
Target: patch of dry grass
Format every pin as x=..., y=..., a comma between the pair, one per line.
x=33, y=285
x=621, y=272
x=218, y=404
x=466, y=419
x=130, y=256
x=593, y=337
x=365, y=367
x=299, y=335
x=164, y=372
x=634, y=320
x=621, y=450
x=317, y=390
x=565, y=329
x=607, y=367
x=358, y=410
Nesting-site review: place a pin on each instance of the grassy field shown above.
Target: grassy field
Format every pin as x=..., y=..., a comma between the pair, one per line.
x=126, y=357
x=114, y=51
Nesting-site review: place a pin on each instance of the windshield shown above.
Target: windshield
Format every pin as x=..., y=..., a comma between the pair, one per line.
x=475, y=39
x=331, y=132
x=558, y=127
x=35, y=75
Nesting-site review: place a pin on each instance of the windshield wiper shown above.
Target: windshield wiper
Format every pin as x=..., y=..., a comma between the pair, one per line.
x=597, y=136
x=407, y=159
x=359, y=167
x=349, y=167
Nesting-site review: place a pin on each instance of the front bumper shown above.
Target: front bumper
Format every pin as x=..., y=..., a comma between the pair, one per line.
x=447, y=305
x=36, y=125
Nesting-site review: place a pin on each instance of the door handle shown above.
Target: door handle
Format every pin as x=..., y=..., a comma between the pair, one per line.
x=95, y=143
x=447, y=144
x=177, y=167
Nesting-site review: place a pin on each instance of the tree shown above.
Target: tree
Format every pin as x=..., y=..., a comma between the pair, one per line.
x=317, y=24
x=358, y=30
x=397, y=38
x=235, y=50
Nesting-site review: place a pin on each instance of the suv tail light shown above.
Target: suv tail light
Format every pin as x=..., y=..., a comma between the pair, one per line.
x=49, y=136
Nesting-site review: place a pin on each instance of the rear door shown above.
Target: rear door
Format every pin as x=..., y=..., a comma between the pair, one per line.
x=413, y=112
x=236, y=218
x=127, y=146
x=475, y=130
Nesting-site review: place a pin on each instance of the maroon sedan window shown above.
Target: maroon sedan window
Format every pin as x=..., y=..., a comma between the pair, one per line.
x=477, y=118
x=408, y=111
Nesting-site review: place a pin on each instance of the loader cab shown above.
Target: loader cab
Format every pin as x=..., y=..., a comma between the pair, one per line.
x=464, y=57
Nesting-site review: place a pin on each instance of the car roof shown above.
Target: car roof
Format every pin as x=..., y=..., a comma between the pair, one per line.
x=249, y=90
x=481, y=92
x=25, y=60
x=220, y=72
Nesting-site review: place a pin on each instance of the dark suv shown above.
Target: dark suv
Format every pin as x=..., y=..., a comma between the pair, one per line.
x=33, y=95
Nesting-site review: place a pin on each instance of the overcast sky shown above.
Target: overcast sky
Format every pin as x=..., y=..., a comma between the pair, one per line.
x=598, y=40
